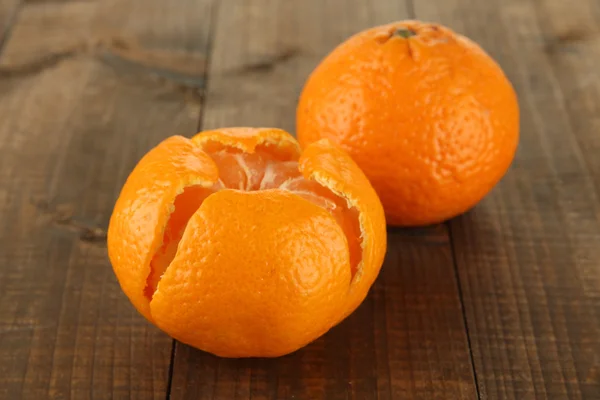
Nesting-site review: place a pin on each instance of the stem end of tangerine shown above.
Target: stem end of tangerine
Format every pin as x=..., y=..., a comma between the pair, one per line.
x=405, y=33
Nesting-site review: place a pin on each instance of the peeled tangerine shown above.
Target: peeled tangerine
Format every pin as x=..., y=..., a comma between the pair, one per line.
x=239, y=244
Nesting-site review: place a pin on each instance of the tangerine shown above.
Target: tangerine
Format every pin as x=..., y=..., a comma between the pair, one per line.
x=239, y=244
x=428, y=116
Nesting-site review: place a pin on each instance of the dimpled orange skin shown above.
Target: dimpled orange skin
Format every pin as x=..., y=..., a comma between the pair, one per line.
x=429, y=117
x=256, y=273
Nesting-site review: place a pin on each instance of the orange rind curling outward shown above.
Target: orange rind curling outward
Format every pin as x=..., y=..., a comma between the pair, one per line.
x=238, y=244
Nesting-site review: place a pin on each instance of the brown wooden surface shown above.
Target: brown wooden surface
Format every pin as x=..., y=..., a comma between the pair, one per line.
x=501, y=303
x=85, y=89
x=8, y=11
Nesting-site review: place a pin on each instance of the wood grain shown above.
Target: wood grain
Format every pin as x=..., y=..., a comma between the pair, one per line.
x=528, y=255
x=408, y=339
x=8, y=13
x=86, y=88
x=572, y=47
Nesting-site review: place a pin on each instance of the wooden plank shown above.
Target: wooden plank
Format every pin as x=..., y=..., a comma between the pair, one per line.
x=86, y=88
x=528, y=254
x=408, y=339
x=572, y=46
x=8, y=11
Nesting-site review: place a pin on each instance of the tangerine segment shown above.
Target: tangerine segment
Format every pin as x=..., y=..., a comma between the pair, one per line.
x=264, y=278
x=140, y=216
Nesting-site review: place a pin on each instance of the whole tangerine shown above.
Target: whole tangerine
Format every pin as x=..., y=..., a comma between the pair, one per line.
x=428, y=116
x=239, y=244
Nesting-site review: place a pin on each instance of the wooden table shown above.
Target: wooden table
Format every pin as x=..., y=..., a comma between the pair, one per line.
x=500, y=303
